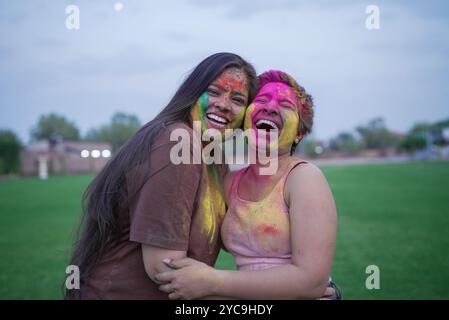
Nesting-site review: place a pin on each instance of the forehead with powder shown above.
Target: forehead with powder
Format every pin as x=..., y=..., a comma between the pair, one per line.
x=279, y=91
x=234, y=80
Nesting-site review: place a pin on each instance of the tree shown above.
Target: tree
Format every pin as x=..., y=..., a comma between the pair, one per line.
x=345, y=142
x=375, y=135
x=54, y=127
x=122, y=127
x=422, y=130
x=421, y=127
x=10, y=147
x=413, y=142
x=416, y=138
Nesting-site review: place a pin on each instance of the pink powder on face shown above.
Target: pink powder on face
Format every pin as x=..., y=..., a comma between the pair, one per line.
x=277, y=102
x=273, y=93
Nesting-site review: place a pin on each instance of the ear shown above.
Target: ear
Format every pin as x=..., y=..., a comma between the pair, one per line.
x=299, y=137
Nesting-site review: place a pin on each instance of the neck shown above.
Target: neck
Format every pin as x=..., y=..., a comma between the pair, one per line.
x=257, y=167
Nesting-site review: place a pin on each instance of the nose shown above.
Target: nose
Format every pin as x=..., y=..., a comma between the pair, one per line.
x=224, y=103
x=271, y=110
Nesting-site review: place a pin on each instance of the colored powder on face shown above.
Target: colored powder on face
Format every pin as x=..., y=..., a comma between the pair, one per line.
x=233, y=79
x=203, y=104
x=289, y=131
x=237, y=123
x=248, y=116
x=198, y=113
x=199, y=110
x=284, y=91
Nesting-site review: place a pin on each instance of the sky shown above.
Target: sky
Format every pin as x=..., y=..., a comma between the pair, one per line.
x=131, y=56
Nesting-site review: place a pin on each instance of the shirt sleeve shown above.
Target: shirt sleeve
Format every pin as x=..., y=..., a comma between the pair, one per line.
x=162, y=211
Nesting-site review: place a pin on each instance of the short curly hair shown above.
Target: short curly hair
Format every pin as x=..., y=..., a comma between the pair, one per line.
x=306, y=109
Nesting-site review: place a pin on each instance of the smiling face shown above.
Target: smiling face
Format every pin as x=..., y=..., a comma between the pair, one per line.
x=223, y=104
x=275, y=108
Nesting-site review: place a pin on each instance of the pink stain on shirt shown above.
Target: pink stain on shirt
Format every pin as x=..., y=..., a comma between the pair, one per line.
x=268, y=229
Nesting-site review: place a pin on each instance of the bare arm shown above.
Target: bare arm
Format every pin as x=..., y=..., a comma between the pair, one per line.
x=153, y=260
x=313, y=230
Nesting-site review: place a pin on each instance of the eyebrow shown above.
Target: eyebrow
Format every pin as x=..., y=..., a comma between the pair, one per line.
x=264, y=95
x=234, y=91
x=240, y=94
x=284, y=99
x=287, y=100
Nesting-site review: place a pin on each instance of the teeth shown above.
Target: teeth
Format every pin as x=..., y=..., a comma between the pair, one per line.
x=217, y=118
x=270, y=123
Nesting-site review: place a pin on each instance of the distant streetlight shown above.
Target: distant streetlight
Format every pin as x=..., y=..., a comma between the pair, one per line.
x=106, y=153
x=95, y=153
x=85, y=153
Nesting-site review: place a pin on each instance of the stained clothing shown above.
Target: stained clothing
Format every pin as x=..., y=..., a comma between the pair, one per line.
x=180, y=207
x=257, y=234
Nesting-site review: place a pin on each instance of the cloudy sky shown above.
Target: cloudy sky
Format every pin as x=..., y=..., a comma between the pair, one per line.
x=131, y=56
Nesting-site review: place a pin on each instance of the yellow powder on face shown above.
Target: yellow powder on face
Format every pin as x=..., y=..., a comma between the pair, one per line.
x=239, y=119
x=198, y=110
x=248, y=115
x=289, y=132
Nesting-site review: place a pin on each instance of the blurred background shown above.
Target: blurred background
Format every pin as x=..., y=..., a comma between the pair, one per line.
x=78, y=78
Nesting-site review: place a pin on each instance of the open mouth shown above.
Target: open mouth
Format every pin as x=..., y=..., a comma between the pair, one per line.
x=266, y=125
x=217, y=119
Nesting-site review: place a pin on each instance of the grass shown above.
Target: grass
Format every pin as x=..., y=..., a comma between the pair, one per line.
x=394, y=216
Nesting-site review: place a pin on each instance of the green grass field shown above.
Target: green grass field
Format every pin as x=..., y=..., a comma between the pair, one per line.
x=394, y=216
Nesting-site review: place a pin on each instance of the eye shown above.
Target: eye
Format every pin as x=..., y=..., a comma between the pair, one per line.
x=212, y=91
x=261, y=100
x=239, y=101
x=287, y=105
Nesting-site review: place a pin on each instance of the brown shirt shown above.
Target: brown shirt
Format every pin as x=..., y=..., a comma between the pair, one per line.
x=180, y=207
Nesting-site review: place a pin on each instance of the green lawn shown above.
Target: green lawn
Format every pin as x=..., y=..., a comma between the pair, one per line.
x=393, y=216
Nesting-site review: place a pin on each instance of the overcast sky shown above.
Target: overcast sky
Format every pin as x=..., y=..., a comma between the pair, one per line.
x=134, y=59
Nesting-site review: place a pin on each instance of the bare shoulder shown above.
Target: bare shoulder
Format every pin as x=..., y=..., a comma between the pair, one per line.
x=306, y=177
x=307, y=191
x=306, y=171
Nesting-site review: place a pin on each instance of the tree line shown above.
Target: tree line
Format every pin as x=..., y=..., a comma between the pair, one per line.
x=375, y=135
x=55, y=128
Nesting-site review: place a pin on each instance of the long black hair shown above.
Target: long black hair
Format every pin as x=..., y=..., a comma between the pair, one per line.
x=106, y=194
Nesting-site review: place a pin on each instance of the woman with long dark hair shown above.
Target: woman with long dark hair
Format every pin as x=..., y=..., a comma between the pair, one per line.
x=142, y=208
